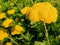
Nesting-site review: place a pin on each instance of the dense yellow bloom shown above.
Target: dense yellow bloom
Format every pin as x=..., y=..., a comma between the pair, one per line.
x=8, y=43
x=2, y=15
x=7, y=23
x=16, y=30
x=3, y=34
x=25, y=10
x=11, y=11
x=42, y=12
x=33, y=15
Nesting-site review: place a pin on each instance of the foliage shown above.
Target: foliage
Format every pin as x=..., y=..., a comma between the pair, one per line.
x=33, y=33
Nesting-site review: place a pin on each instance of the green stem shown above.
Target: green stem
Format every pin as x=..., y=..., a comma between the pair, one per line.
x=1, y=42
x=46, y=34
x=13, y=40
x=35, y=1
x=32, y=1
x=24, y=36
x=24, y=2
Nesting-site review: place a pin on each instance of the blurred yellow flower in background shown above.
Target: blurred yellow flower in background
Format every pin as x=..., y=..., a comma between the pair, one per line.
x=25, y=10
x=8, y=43
x=0, y=6
x=7, y=23
x=12, y=11
x=16, y=30
x=3, y=34
x=2, y=15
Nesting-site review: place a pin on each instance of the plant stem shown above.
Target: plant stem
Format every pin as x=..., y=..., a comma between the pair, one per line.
x=31, y=1
x=24, y=36
x=35, y=1
x=13, y=40
x=46, y=34
x=24, y=2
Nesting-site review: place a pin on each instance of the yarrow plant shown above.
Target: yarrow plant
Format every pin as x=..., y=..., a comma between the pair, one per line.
x=42, y=12
x=29, y=22
x=8, y=43
x=2, y=15
x=39, y=12
x=3, y=33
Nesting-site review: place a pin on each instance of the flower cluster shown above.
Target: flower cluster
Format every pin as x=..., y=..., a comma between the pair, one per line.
x=8, y=22
x=3, y=34
x=12, y=11
x=2, y=15
x=42, y=12
x=16, y=30
x=8, y=43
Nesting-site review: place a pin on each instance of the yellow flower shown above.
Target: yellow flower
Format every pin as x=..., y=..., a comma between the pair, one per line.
x=33, y=15
x=2, y=15
x=16, y=30
x=0, y=6
x=12, y=11
x=24, y=10
x=3, y=34
x=43, y=11
x=7, y=23
x=8, y=43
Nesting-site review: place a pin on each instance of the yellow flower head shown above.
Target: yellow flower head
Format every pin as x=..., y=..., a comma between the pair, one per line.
x=25, y=10
x=0, y=6
x=8, y=43
x=11, y=11
x=3, y=34
x=43, y=11
x=7, y=23
x=16, y=30
x=2, y=15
